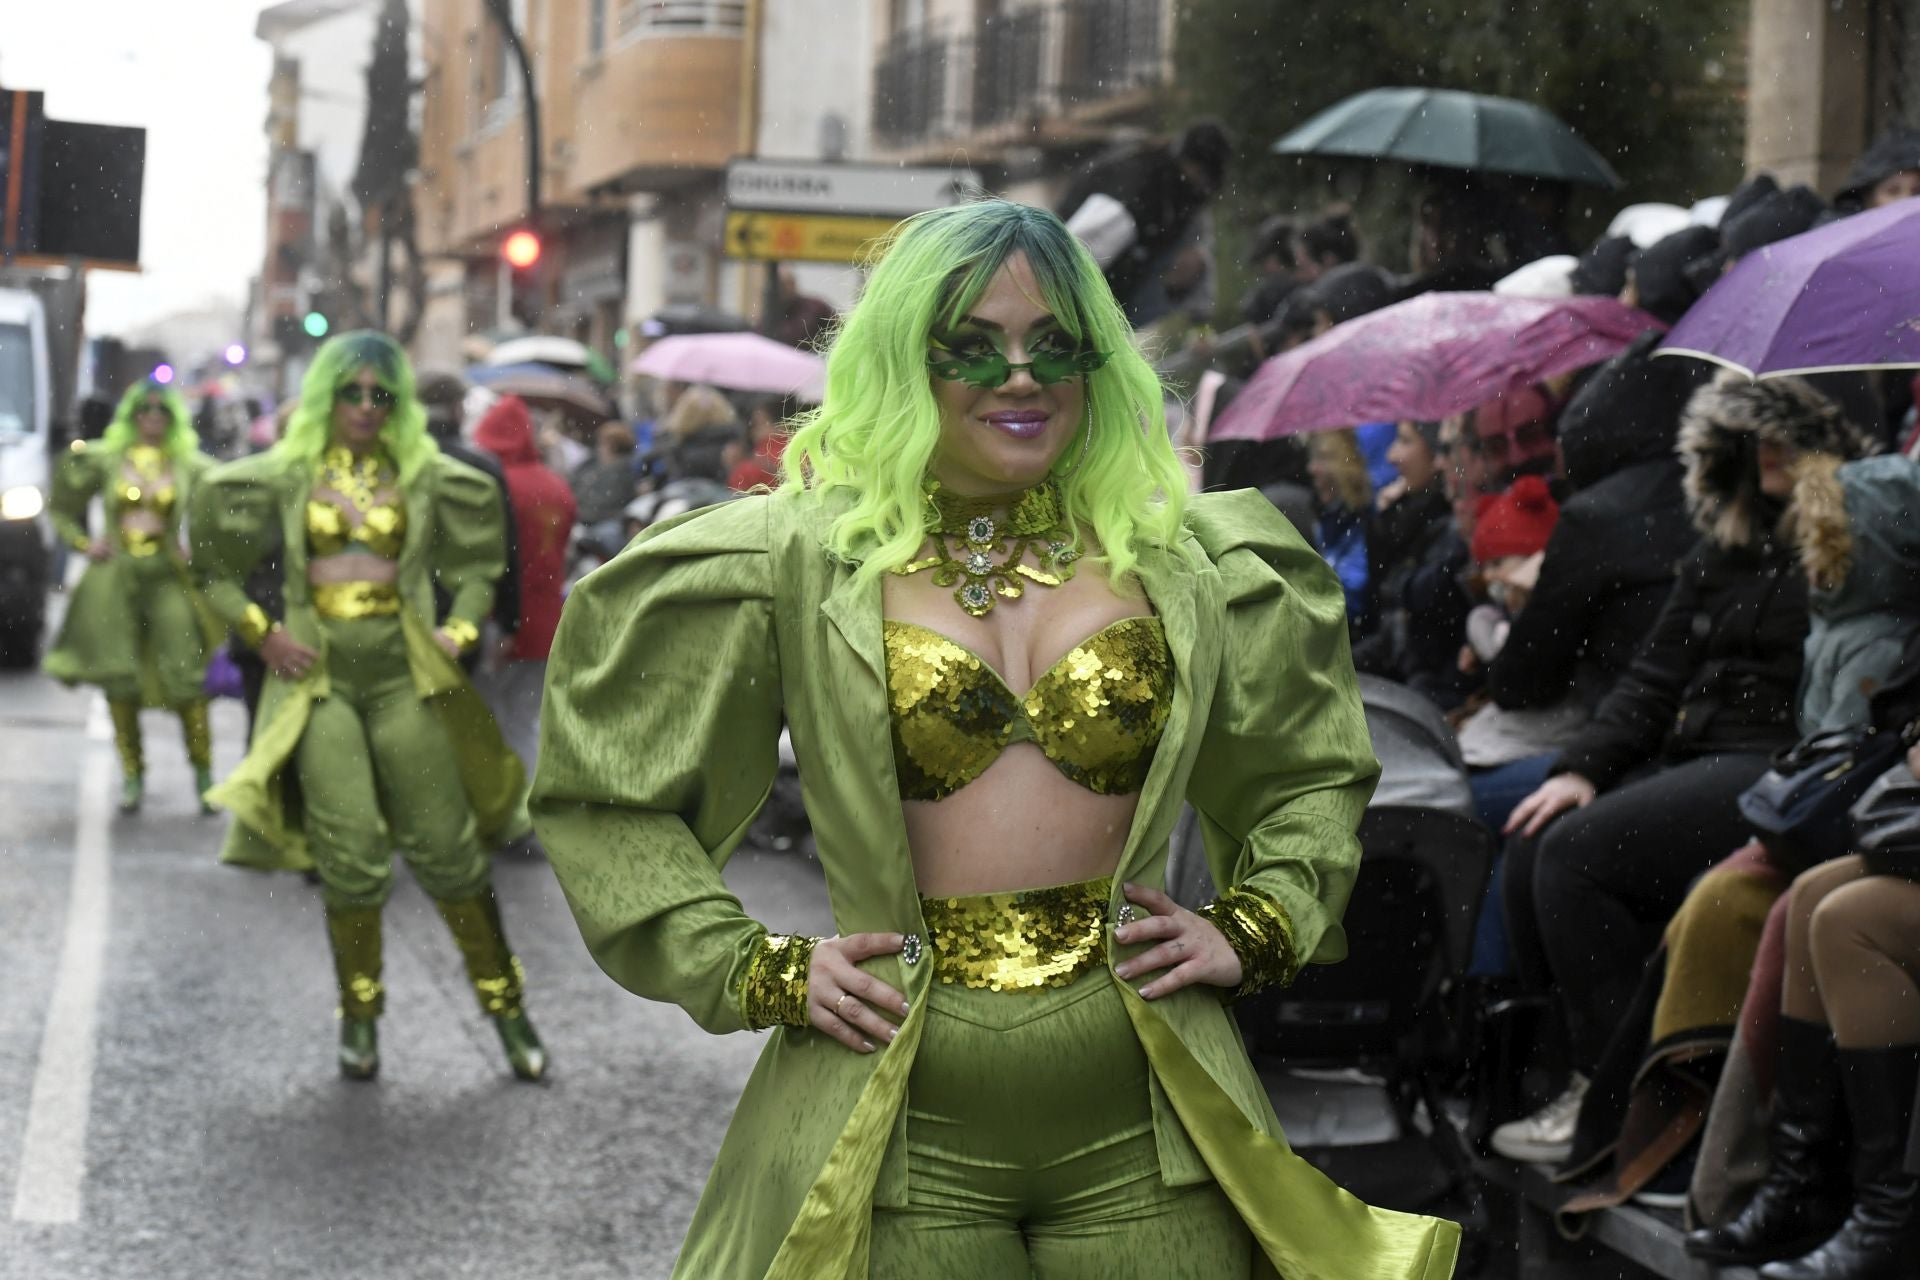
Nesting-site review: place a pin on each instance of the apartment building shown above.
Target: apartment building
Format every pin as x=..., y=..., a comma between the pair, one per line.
x=639, y=104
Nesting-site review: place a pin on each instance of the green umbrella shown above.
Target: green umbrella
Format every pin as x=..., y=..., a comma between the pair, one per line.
x=1451, y=130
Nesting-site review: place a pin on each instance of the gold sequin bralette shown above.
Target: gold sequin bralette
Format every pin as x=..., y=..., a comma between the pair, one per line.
x=382, y=527
x=1096, y=714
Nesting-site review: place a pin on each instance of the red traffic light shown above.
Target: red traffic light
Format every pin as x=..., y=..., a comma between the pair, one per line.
x=521, y=249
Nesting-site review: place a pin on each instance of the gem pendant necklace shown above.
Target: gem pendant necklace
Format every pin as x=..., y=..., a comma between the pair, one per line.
x=981, y=554
x=355, y=479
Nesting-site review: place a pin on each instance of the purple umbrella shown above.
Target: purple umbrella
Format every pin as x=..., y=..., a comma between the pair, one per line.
x=1842, y=296
x=1427, y=358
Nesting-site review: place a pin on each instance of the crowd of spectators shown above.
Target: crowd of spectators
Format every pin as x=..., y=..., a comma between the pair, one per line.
x=1631, y=589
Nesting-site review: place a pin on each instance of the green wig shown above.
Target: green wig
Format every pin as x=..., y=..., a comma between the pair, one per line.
x=878, y=425
x=338, y=362
x=181, y=441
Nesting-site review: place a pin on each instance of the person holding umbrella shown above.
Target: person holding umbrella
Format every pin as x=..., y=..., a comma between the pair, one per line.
x=1008, y=649
x=369, y=735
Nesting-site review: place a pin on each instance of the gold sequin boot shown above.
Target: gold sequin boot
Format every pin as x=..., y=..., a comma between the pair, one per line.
x=497, y=977
x=197, y=727
x=354, y=933
x=126, y=738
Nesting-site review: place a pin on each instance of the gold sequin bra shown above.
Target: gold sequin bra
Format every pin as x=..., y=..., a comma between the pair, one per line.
x=1096, y=714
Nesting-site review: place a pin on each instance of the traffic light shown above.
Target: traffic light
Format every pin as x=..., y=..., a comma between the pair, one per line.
x=521, y=249
x=315, y=324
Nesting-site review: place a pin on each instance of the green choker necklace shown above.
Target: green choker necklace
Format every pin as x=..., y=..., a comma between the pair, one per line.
x=982, y=544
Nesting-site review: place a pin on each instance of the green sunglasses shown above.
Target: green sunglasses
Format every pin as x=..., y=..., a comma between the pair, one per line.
x=992, y=369
x=355, y=394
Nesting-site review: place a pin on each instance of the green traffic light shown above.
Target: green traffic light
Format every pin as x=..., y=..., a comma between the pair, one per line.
x=315, y=324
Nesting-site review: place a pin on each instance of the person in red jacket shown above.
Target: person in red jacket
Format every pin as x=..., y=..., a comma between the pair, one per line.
x=543, y=515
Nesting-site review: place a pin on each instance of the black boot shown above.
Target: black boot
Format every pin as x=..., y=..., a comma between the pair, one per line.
x=1880, y=1239
x=1804, y=1198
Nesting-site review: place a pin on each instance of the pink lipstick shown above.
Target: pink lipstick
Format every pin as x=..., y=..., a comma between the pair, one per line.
x=1021, y=424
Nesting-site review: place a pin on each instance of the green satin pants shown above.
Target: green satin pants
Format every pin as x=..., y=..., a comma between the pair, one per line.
x=377, y=773
x=167, y=632
x=1030, y=1150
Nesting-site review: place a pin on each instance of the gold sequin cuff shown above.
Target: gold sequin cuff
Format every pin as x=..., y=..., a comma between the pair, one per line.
x=774, y=993
x=1260, y=932
x=463, y=633
x=254, y=626
x=347, y=601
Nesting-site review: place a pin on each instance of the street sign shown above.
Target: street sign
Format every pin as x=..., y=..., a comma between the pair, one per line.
x=802, y=237
x=862, y=190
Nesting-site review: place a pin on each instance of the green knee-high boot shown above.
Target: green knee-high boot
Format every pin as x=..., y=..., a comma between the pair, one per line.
x=126, y=739
x=498, y=979
x=197, y=727
x=354, y=933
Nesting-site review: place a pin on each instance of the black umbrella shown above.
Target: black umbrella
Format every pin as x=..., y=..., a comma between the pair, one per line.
x=1451, y=130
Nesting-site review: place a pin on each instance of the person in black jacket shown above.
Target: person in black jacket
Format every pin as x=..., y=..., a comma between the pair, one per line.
x=1645, y=800
x=1415, y=560
x=1611, y=560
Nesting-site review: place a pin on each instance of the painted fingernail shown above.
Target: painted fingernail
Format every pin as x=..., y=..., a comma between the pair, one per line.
x=892, y=1032
x=866, y=1046
x=1146, y=993
x=1124, y=971
x=905, y=1007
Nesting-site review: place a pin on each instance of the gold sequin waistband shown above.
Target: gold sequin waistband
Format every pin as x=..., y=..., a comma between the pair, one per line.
x=1019, y=941
x=348, y=600
x=141, y=542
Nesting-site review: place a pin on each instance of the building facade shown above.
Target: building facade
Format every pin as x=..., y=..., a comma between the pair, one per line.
x=1828, y=76
x=316, y=117
x=639, y=107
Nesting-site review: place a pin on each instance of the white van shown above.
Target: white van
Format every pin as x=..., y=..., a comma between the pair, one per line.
x=26, y=537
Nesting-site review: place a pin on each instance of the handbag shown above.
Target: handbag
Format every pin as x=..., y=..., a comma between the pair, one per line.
x=223, y=678
x=1886, y=824
x=1799, y=807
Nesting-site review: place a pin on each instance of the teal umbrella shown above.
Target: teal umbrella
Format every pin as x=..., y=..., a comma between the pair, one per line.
x=1451, y=130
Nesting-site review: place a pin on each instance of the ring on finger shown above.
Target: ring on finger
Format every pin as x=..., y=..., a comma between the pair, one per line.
x=836, y=1006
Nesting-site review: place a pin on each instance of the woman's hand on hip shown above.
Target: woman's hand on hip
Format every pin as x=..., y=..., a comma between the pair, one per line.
x=1190, y=949
x=845, y=1000
x=285, y=656
x=1552, y=798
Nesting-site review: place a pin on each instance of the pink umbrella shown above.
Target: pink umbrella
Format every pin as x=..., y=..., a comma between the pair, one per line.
x=737, y=361
x=1427, y=358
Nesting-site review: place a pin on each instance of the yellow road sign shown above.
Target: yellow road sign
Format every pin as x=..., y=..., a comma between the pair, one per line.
x=802, y=237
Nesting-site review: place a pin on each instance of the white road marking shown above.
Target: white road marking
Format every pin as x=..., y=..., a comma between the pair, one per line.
x=53, y=1155
x=99, y=723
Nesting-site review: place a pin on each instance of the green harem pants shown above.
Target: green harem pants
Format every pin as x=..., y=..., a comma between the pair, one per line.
x=377, y=772
x=1030, y=1150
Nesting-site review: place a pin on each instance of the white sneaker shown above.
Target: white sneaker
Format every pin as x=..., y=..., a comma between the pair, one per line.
x=1546, y=1136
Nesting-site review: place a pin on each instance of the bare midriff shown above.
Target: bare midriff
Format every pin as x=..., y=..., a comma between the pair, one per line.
x=1021, y=824
x=352, y=566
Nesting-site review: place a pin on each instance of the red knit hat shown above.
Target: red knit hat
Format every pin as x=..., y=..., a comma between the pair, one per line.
x=1515, y=523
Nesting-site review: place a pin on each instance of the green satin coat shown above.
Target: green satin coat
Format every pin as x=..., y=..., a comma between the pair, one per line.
x=456, y=535
x=672, y=670
x=100, y=638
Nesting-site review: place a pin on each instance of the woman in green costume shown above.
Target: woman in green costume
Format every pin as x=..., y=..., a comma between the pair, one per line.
x=365, y=705
x=1007, y=649
x=132, y=625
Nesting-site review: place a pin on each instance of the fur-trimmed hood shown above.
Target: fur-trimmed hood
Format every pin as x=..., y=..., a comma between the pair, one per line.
x=1719, y=438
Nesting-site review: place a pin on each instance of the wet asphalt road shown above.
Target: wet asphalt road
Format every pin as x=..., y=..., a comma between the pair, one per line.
x=220, y=1141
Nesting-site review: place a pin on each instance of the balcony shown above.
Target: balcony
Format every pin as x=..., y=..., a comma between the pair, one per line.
x=1020, y=72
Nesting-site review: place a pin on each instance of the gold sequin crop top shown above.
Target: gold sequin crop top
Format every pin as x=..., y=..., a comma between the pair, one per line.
x=146, y=495
x=382, y=529
x=1096, y=714
x=145, y=482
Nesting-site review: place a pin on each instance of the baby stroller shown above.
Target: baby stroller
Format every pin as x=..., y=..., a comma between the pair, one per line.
x=1385, y=1010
